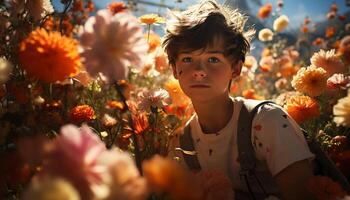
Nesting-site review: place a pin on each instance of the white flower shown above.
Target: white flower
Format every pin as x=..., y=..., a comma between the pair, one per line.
x=153, y=99
x=265, y=35
x=111, y=44
x=280, y=23
x=124, y=179
x=5, y=70
x=341, y=111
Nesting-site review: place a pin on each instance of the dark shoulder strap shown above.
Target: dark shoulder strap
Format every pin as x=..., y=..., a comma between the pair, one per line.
x=186, y=144
x=246, y=153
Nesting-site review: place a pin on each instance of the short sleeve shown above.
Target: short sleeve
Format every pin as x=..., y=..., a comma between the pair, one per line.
x=278, y=139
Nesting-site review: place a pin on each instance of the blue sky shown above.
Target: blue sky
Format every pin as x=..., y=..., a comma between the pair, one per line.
x=295, y=9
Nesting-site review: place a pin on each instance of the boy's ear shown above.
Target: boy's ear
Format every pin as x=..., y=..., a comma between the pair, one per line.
x=237, y=68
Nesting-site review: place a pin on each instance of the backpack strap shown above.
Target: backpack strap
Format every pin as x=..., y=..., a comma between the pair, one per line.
x=186, y=144
x=246, y=152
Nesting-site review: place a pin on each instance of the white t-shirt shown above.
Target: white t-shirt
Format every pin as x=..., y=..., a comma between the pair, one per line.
x=276, y=138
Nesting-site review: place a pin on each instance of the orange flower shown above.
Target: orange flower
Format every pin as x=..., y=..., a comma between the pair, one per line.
x=250, y=94
x=49, y=56
x=324, y=188
x=288, y=70
x=165, y=175
x=115, y=105
x=178, y=97
x=318, y=41
x=82, y=113
x=116, y=7
x=140, y=123
x=330, y=31
x=149, y=19
x=265, y=11
x=311, y=81
x=90, y=6
x=78, y=6
x=302, y=108
x=153, y=41
x=304, y=29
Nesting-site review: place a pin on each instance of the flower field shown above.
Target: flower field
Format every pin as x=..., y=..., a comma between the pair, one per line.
x=88, y=101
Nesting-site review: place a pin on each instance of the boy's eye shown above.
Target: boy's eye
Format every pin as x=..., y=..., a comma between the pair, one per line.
x=186, y=59
x=213, y=60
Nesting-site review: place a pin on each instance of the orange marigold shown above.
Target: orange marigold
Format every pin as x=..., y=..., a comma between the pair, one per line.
x=140, y=123
x=302, y=108
x=82, y=113
x=265, y=11
x=330, y=31
x=118, y=105
x=116, y=7
x=165, y=175
x=49, y=56
x=153, y=41
x=311, y=80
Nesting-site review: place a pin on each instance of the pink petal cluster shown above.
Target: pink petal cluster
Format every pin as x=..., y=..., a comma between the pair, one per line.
x=111, y=44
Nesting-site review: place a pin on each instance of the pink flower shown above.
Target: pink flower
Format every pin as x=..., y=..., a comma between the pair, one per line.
x=215, y=185
x=111, y=44
x=73, y=156
x=338, y=81
x=154, y=99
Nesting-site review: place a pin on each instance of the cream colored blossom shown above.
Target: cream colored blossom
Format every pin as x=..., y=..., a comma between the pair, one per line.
x=265, y=35
x=280, y=23
x=329, y=61
x=49, y=188
x=111, y=44
x=5, y=70
x=153, y=99
x=124, y=179
x=311, y=81
x=341, y=111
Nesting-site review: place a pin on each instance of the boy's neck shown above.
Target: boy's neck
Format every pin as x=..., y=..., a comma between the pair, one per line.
x=214, y=115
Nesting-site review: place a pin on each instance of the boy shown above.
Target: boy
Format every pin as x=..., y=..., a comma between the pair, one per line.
x=206, y=46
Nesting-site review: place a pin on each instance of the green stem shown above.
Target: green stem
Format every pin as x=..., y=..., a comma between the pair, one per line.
x=148, y=31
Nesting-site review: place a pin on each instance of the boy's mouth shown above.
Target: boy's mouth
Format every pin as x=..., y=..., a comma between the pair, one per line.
x=199, y=86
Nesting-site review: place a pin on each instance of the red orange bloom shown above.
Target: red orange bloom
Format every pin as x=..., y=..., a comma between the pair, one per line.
x=82, y=113
x=49, y=56
x=302, y=108
x=265, y=11
x=116, y=7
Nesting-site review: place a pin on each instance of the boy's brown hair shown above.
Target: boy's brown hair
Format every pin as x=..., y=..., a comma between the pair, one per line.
x=199, y=26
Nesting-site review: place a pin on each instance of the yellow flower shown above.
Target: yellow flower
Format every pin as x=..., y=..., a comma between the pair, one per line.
x=329, y=61
x=149, y=19
x=49, y=56
x=280, y=23
x=311, y=81
x=265, y=35
x=341, y=111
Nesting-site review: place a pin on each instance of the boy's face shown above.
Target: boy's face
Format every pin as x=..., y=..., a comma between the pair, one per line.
x=205, y=74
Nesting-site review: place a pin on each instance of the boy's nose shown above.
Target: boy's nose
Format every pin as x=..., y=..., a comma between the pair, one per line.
x=199, y=74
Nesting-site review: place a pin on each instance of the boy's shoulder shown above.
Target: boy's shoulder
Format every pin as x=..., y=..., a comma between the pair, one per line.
x=267, y=111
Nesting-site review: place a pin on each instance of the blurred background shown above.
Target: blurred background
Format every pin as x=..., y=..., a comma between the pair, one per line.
x=297, y=10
